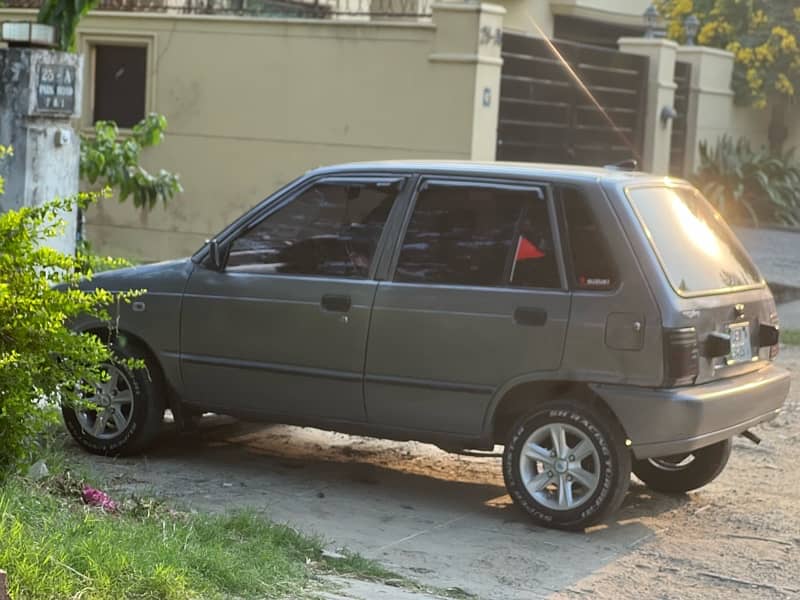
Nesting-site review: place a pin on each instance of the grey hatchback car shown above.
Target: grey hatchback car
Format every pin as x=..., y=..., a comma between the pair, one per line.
x=593, y=321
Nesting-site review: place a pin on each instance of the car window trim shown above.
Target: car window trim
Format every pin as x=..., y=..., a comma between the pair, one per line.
x=280, y=202
x=567, y=244
x=542, y=188
x=201, y=255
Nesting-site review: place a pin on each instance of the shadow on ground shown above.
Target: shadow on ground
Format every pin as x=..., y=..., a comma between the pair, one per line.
x=442, y=519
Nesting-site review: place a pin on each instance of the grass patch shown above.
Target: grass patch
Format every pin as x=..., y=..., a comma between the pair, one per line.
x=353, y=564
x=53, y=547
x=363, y=568
x=790, y=337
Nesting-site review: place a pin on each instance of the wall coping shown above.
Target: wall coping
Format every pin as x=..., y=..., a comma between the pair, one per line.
x=595, y=13
x=648, y=42
x=467, y=6
x=472, y=59
x=701, y=89
x=683, y=50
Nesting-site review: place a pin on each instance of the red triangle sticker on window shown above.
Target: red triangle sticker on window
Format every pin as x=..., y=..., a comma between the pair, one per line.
x=525, y=250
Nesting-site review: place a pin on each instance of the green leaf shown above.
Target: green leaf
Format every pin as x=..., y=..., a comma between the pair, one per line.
x=743, y=183
x=114, y=163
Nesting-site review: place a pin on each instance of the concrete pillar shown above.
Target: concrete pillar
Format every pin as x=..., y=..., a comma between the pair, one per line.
x=710, y=98
x=660, y=94
x=40, y=91
x=469, y=36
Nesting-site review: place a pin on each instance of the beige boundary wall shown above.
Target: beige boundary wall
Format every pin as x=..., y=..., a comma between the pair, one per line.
x=753, y=124
x=254, y=103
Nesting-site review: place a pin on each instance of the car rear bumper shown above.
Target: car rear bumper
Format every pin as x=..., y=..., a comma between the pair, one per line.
x=660, y=422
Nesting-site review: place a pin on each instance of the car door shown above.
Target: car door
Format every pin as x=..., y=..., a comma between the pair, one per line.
x=477, y=297
x=281, y=329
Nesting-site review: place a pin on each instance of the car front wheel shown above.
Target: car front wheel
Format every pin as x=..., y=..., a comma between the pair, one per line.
x=566, y=464
x=125, y=412
x=684, y=472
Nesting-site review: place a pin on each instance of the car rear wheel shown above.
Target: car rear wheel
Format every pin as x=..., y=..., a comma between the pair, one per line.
x=566, y=464
x=128, y=408
x=684, y=472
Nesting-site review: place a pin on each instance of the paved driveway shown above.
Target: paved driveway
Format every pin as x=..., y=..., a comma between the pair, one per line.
x=446, y=520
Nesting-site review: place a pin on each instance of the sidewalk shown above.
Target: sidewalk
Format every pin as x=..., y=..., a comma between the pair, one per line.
x=789, y=315
x=355, y=589
x=777, y=254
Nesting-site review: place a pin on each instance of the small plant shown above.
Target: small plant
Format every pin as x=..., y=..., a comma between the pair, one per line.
x=114, y=162
x=91, y=262
x=65, y=15
x=750, y=186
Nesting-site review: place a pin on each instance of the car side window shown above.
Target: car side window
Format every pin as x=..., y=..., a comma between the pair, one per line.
x=330, y=230
x=592, y=264
x=479, y=236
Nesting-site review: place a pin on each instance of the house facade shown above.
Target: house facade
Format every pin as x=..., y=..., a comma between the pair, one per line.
x=256, y=93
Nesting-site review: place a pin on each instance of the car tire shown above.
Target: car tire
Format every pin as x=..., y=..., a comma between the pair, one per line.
x=685, y=472
x=566, y=464
x=130, y=406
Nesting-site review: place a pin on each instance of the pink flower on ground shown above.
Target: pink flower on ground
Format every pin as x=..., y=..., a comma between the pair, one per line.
x=94, y=497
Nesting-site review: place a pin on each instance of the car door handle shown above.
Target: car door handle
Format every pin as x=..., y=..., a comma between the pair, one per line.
x=530, y=316
x=336, y=303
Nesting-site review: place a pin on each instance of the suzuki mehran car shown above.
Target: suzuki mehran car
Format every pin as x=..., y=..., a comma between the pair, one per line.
x=593, y=321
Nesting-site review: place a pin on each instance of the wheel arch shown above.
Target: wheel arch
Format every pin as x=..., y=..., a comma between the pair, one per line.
x=107, y=334
x=521, y=395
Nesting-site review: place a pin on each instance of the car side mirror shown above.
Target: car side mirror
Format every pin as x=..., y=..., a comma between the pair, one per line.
x=215, y=254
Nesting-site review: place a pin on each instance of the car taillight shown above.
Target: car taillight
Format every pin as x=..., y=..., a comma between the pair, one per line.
x=769, y=335
x=681, y=356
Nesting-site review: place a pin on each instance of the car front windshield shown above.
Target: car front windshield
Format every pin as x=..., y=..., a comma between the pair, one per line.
x=697, y=250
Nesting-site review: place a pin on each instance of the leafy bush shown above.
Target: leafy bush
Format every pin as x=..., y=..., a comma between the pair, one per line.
x=65, y=15
x=42, y=363
x=91, y=262
x=115, y=163
x=750, y=186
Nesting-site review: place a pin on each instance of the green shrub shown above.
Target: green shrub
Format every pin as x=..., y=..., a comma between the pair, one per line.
x=65, y=15
x=91, y=262
x=750, y=186
x=114, y=162
x=42, y=362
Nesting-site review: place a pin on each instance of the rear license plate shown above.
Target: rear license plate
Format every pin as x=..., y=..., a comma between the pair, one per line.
x=741, y=350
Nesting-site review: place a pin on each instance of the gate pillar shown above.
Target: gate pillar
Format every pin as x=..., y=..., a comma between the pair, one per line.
x=660, y=99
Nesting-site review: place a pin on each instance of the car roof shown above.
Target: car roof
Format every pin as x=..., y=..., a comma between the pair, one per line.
x=494, y=169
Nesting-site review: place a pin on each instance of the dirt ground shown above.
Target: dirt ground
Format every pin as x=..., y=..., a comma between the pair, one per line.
x=446, y=521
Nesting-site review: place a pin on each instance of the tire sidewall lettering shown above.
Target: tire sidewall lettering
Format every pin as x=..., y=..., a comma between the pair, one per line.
x=599, y=435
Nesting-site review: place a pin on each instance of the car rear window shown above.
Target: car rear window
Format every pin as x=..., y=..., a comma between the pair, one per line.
x=697, y=250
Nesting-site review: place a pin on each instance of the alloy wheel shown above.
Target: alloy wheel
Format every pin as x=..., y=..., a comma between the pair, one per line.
x=560, y=466
x=113, y=406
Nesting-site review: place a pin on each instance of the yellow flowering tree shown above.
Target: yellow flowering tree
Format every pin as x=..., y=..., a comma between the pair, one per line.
x=763, y=35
